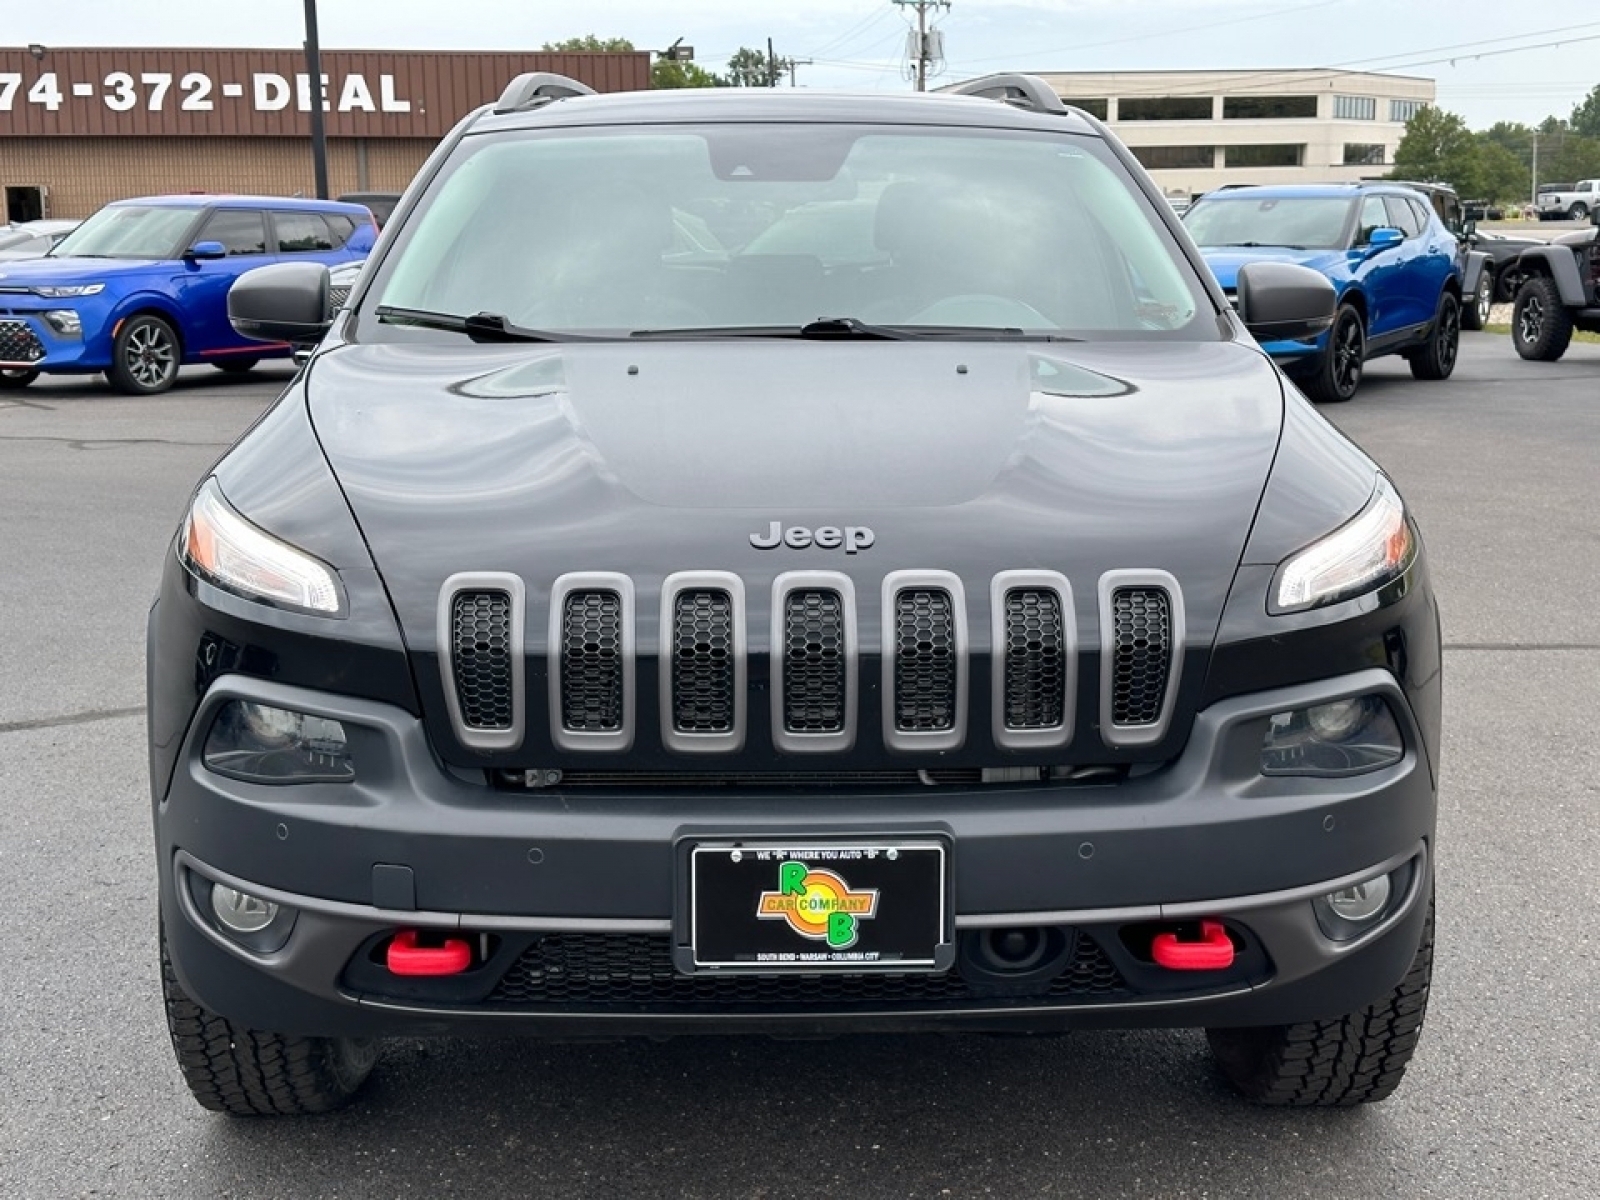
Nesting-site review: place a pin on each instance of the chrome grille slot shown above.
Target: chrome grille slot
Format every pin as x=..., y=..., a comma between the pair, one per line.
x=481, y=658
x=924, y=660
x=1035, y=667
x=813, y=661
x=1143, y=639
x=482, y=649
x=1141, y=642
x=591, y=662
x=703, y=661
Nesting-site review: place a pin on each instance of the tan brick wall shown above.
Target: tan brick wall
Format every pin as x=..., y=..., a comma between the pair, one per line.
x=84, y=173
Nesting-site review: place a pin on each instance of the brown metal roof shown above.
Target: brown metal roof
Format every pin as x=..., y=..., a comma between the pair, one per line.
x=266, y=93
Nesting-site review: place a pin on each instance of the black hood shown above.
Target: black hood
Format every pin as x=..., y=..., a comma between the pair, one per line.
x=648, y=459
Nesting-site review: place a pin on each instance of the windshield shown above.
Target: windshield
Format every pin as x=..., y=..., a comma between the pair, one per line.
x=1307, y=222
x=130, y=231
x=751, y=227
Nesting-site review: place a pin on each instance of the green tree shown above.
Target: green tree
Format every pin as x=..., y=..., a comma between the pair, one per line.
x=1502, y=175
x=752, y=68
x=1438, y=146
x=666, y=73
x=1586, y=115
x=589, y=44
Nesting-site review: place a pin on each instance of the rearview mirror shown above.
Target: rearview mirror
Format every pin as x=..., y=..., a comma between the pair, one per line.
x=1281, y=302
x=286, y=302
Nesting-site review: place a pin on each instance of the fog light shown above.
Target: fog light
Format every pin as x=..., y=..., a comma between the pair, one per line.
x=1362, y=901
x=240, y=911
x=1350, y=912
x=65, y=322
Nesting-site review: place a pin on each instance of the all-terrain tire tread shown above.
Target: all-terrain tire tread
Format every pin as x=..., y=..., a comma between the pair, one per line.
x=246, y=1072
x=1357, y=1059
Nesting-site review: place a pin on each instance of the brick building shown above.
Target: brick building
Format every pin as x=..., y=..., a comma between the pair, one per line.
x=81, y=127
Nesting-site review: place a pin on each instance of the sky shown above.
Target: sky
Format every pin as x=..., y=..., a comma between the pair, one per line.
x=1490, y=58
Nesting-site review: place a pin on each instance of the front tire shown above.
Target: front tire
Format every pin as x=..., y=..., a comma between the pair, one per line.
x=1437, y=357
x=1476, y=314
x=17, y=377
x=249, y=1073
x=1578, y=212
x=145, y=358
x=1541, y=326
x=1359, y=1058
x=1339, y=374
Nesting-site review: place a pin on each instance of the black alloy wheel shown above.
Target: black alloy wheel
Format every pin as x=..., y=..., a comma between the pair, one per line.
x=1507, y=283
x=1437, y=357
x=146, y=357
x=1541, y=326
x=17, y=377
x=1476, y=314
x=1339, y=374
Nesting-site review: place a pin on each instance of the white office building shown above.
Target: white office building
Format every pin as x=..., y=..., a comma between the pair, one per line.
x=1197, y=130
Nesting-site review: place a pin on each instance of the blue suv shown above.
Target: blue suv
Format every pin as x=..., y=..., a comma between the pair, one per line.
x=141, y=287
x=1393, y=262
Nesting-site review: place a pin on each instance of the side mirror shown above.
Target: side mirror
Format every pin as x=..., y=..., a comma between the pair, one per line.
x=1280, y=302
x=1383, y=238
x=207, y=250
x=286, y=302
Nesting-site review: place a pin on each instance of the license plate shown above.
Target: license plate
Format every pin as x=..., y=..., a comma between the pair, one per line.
x=810, y=906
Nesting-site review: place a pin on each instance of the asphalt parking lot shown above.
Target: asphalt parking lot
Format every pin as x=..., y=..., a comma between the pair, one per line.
x=1502, y=466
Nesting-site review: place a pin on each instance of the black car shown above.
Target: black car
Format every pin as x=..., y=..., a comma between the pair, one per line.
x=951, y=622
x=380, y=204
x=1503, y=251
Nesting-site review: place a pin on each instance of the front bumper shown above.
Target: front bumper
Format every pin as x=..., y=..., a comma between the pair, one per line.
x=568, y=884
x=28, y=340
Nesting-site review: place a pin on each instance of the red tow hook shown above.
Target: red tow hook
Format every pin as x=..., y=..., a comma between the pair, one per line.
x=1213, y=952
x=406, y=957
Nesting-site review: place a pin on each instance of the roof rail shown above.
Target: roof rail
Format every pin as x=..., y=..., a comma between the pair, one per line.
x=538, y=87
x=1019, y=91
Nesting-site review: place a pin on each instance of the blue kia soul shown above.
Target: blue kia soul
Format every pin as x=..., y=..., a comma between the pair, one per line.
x=1394, y=264
x=141, y=287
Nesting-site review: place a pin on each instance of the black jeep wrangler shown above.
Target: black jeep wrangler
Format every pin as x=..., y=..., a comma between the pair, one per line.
x=1560, y=292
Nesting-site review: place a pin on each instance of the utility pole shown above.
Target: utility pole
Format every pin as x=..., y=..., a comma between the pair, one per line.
x=772, y=66
x=792, y=63
x=319, y=137
x=925, y=46
x=1533, y=186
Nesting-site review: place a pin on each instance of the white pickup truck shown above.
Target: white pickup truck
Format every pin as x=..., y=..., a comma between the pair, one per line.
x=1574, y=205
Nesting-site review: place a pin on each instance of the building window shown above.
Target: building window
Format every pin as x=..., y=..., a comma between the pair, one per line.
x=1285, y=155
x=1355, y=108
x=1164, y=108
x=1267, y=108
x=1095, y=107
x=1362, y=154
x=1170, y=158
x=1404, y=110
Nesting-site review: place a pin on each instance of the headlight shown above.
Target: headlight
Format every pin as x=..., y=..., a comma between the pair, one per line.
x=67, y=290
x=1346, y=737
x=262, y=744
x=223, y=548
x=1366, y=552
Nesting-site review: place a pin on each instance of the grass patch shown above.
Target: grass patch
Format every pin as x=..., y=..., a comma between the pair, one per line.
x=1578, y=335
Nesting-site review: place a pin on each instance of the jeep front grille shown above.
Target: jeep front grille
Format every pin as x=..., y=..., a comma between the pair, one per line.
x=924, y=660
x=1141, y=632
x=703, y=661
x=1035, y=655
x=591, y=662
x=481, y=658
x=813, y=661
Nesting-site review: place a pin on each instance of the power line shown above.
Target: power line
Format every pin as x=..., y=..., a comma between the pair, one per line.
x=927, y=47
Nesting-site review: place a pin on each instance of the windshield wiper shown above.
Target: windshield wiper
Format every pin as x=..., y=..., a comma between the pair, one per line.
x=480, y=327
x=1256, y=246
x=850, y=329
